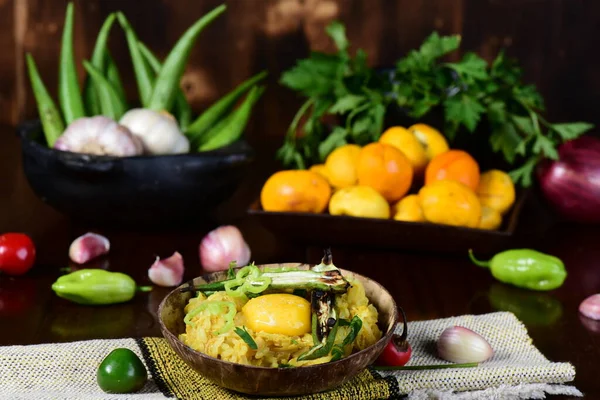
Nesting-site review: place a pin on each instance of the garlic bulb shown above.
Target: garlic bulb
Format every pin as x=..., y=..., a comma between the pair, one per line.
x=158, y=131
x=462, y=345
x=99, y=135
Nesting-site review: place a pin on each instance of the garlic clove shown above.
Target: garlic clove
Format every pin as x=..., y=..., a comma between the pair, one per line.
x=462, y=345
x=87, y=247
x=222, y=246
x=590, y=307
x=167, y=272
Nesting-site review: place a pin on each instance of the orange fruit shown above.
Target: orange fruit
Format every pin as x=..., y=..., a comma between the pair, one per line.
x=496, y=190
x=385, y=169
x=450, y=203
x=295, y=190
x=359, y=201
x=341, y=165
x=419, y=143
x=454, y=165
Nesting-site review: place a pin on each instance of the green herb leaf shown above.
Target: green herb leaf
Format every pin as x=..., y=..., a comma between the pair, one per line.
x=524, y=124
x=243, y=333
x=524, y=174
x=529, y=96
x=545, y=146
x=334, y=140
x=337, y=32
x=497, y=112
x=572, y=130
x=313, y=76
x=465, y=110
x=471, y=66
x=435, y=46
x=346, y=103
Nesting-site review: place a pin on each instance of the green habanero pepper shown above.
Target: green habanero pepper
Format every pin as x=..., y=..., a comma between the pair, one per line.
x=525, y=268
x=95, y=287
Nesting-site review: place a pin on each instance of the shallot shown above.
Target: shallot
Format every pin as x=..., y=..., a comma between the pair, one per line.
x=462, y=345
x=87, y=247
x=222, y=246
x=99, y=135
x=167, y=272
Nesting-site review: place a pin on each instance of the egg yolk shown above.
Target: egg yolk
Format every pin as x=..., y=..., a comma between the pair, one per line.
x=285, y=314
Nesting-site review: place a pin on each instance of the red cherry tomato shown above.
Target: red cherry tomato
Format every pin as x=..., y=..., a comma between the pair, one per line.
x=398, y=350
x=396, y=353
x=17, y=253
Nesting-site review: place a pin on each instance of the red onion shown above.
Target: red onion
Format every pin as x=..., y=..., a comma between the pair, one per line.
x=571, y=185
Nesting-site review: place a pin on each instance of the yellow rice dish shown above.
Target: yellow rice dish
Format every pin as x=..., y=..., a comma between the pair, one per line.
x=279, y=324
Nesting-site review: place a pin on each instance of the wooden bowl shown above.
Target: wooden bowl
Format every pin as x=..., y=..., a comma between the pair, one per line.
x=276, y=381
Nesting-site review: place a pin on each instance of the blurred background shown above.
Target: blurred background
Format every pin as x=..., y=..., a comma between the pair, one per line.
x=555, y=41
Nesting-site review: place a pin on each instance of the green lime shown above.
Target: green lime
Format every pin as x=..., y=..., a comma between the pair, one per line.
x=121, y=371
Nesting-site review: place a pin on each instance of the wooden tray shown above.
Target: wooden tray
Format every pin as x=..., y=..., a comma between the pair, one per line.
x=333, y=230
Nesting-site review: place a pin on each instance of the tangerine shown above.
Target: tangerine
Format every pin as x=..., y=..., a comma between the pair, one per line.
x=295, y=190
x=456, y=165
x=385, y=169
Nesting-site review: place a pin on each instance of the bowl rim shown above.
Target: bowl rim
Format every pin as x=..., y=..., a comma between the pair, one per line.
x=27, y=128
x=385, y=335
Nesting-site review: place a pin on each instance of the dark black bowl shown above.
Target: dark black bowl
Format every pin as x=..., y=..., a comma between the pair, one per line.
x=132, y=191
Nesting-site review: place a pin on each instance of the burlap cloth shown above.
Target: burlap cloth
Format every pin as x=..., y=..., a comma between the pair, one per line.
x=517, y=370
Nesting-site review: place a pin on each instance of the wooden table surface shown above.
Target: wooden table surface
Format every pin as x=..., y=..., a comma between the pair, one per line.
x=426, y=285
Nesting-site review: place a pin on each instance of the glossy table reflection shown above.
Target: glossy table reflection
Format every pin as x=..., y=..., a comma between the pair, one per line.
x=427, y=285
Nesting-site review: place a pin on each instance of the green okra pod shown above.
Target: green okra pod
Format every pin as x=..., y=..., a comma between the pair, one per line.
x=50, y=117
x=113, y=76
x=69, y=95
x=215, y=112
x=110, y=101
x=326, y=281
x=90, y=95
x=163, y=93
x=235, y=126
x=142, y=73
x=182, y=109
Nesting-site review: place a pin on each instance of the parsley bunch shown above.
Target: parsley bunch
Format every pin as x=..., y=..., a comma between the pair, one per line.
x=471, y=90
x=338, y=87
x=468, y=92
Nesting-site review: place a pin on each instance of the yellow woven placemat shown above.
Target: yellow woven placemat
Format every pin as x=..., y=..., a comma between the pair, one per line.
x=517, y=370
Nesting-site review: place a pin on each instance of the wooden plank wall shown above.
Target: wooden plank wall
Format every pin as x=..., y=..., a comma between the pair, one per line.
x=557, y=42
